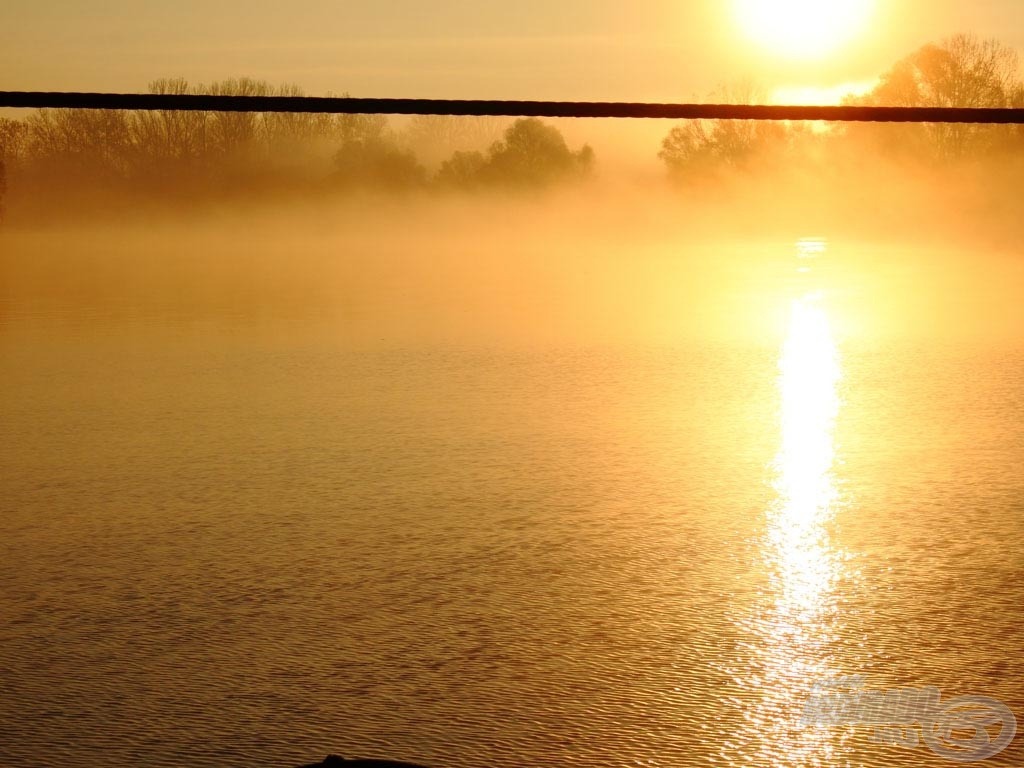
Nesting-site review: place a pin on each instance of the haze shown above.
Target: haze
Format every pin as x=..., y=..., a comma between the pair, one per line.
x=511, y=442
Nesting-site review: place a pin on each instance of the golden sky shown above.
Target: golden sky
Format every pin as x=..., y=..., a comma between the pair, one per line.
x=545, y=49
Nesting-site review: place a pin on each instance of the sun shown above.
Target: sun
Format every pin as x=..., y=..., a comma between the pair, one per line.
x=803, y=29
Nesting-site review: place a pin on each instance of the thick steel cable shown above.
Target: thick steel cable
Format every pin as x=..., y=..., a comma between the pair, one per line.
x=485, y=108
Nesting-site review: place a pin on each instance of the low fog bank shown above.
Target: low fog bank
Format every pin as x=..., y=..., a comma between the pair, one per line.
x=900, y=253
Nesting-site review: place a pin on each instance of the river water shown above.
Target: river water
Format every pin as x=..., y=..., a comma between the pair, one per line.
x=239, y=536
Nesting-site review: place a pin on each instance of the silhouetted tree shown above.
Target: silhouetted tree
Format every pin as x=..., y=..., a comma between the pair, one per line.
x=961, y=71
x=13, y=140
x=700, y=146
x=376, y=162
x=530, y=155
x=286, y=131
x=465, y=170
x=89, y=143
x=168, y=137
x=533, y=154
x=436, y=137
x=234, y=133
x=13, y=134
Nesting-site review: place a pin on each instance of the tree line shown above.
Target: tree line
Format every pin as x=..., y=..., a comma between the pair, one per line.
x=56, y=152
x=960, y=71
x=184, y=153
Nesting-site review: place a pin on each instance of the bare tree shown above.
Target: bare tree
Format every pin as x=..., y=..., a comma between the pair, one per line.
x=436, y=137
x=702, y=145
x=170, y=137
x=13, y=134
x=349, y=128
x=13, y=140
x=960, y=71
x=235, y=133
x=285, y=130
x=93, y=141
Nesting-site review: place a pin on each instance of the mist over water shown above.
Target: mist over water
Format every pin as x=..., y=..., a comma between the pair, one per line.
x=606, y=475
x=908, y=254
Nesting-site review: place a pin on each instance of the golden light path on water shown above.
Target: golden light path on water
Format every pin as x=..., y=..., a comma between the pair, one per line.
x=790, y=636
x=808, y=381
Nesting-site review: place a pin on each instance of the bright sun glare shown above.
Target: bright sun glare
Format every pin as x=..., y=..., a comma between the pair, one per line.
x=803, y=29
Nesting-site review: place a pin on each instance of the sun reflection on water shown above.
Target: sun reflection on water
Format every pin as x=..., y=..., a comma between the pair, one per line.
x=792, y=631
x=808, y=383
